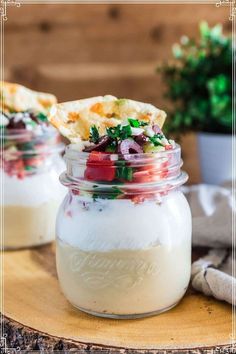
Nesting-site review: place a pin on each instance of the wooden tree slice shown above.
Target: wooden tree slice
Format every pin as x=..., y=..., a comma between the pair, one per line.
x=37, y=316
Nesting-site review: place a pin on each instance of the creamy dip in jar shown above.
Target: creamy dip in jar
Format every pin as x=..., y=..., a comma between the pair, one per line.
x=124, y=250
x=123, y=245
x=30, y=165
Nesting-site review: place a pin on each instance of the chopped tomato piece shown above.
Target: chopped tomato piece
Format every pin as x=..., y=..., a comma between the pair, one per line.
x=33, y=161
x=99, y=167
x=138, y=199
x=75, y=191
x=142, y=177
x=151, y=173
x=15, y=167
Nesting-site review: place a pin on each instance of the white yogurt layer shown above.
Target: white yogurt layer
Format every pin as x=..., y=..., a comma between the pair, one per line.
x=34, y=190
x=106, y=225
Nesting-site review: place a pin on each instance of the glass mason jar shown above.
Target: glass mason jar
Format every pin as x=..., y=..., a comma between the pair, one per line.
x=30, y=166
x=124, y=249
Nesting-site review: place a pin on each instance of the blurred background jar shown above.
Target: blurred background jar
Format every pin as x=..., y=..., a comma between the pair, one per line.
x=30, y=164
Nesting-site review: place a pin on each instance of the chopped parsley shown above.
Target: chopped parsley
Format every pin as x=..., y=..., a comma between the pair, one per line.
x=113, y=194
x=42, y=117
x=114, y=132
x=30, y=168
x=135, y=123
x=94, y=134
x=124, y=173
x=111, y=148
x=156, y=140
x=126, y=132
x=119, y=132
x=142, y=123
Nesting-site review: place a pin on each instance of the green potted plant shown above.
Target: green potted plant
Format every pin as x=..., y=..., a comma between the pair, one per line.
x=199, y=85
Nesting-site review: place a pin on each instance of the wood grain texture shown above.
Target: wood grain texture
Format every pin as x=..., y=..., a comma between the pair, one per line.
x=45, y=320
x=101, y=33
x=81, y=50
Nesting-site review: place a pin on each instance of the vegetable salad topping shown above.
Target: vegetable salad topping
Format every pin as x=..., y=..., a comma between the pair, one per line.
x=115, y=144
x=129, y=138
x=27, y=120
x=23, y=136
x=111, y=156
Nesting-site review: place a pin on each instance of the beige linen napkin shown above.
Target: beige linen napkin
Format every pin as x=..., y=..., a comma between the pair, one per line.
x=212, y=210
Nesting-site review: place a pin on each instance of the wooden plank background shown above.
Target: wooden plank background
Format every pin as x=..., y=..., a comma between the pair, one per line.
x=77, y=51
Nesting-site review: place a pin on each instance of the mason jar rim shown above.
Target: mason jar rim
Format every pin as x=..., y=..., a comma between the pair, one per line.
x=14, y=134
x=76, y=162
x=128, y=188
x=30, y=136
x=76, y=155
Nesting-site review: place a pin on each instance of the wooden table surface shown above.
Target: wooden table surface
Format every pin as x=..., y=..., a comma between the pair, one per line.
x=37, y=316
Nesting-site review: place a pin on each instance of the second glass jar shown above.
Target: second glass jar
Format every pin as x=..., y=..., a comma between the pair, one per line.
x=30, y=168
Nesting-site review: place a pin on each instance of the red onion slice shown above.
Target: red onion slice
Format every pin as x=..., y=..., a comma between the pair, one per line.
x=128, y=146
x=156, y=129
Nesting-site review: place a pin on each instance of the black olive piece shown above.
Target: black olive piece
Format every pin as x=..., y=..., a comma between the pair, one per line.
x=103, y=142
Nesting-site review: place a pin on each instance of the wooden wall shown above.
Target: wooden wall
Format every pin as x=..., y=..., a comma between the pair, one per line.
x=79, y=51
x=84, y=50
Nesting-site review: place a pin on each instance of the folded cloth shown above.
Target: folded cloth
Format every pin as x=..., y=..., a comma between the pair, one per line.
x=212, y=211
x=211, y=208
x=211, y=281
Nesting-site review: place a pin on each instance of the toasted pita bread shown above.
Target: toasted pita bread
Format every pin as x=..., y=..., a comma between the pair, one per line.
x=74, y=119
x=17, y=98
